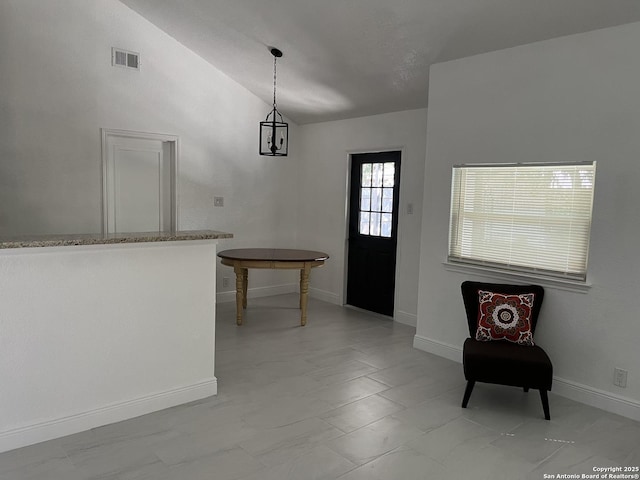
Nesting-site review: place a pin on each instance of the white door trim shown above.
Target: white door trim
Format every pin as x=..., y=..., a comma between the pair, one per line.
x=173, y=141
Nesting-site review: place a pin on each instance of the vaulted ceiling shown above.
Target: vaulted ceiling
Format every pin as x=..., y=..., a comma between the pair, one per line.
x=350, y=58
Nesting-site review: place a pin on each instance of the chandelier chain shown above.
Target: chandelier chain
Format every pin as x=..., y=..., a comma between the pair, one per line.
x=274, y=81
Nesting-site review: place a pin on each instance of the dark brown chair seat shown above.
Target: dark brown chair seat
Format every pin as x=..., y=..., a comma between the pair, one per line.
x=503, y=362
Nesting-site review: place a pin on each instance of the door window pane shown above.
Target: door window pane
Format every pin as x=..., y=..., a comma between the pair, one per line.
x=364, y=223
x=376, y=199
x=377, y=174
x=387, y=200
x=365, y=199
x=386, y=225
x=375, y=224
x=389, y=174
x=366, y=175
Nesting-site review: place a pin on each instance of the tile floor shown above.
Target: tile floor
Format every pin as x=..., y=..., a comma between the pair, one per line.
x=344, y=397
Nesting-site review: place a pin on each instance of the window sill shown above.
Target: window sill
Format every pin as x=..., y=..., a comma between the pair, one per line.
x=546, y=281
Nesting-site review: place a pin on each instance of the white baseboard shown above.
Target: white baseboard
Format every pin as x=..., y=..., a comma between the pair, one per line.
x=60, y=427
x=405, y=318
x=258, y=292
x=325, y=296
x=608, y=401
x=441, y=349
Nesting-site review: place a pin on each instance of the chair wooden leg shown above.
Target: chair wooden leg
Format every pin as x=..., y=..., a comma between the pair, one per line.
x=467, y=393
x=526, y=389
x=545, y=403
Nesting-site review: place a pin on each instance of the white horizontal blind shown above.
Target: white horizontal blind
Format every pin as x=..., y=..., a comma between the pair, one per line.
x=530, y=217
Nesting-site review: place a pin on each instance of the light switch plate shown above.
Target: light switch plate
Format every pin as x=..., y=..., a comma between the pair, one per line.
x=620, y=377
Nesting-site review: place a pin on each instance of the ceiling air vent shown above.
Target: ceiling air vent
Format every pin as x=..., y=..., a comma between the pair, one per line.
x=124, y=58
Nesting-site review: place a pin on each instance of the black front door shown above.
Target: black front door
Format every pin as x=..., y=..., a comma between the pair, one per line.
x=373, y=231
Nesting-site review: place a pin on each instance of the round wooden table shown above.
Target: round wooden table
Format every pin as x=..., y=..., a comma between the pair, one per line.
x=242, y=259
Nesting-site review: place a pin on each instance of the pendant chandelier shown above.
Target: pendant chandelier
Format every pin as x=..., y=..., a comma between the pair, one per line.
x=274, y=131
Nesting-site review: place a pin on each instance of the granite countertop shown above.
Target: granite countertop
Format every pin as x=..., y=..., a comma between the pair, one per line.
x=104, y=239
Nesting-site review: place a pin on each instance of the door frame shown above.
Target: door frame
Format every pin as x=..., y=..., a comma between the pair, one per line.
x=345, y=266
x=172, y=140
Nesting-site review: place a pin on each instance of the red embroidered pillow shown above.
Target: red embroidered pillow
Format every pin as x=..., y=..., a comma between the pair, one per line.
x=505, y=317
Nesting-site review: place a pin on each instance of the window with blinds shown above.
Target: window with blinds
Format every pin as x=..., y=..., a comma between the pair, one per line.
x=526, y=217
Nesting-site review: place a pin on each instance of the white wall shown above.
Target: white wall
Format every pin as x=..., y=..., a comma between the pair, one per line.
x=568, y=99
x=58, y=88
x=323, y=175
x=91, y=335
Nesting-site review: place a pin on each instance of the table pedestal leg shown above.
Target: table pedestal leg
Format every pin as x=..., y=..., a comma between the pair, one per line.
x=240, y=295
x=304, y=291
x=245, y=286
x=300, y=300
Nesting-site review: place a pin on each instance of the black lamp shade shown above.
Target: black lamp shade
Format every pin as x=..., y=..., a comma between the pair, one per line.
x=274, y=137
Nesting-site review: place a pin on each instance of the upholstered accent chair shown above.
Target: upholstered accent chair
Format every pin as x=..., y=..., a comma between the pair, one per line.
x=499, y=349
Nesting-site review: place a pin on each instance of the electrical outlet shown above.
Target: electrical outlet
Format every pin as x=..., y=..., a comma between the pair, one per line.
x=620, y=377
x=225, y=281
x=218, y=201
